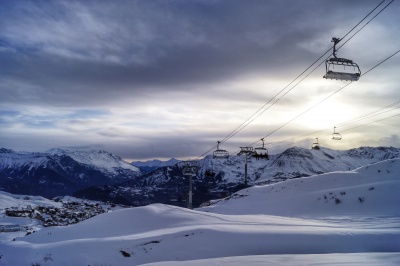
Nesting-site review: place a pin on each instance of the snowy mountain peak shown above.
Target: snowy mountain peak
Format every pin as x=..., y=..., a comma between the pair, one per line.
x=61, y=171
x=297, y=152
x=379, y=153
x=4, y=150
x=59, y=151
x=100, y=158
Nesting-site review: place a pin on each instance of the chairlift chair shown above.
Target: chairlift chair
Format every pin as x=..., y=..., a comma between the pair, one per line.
x=315, y=145
x=247, y=149
x=351, y=71
x=220, y=154
x=258, y=151
x=335, y=135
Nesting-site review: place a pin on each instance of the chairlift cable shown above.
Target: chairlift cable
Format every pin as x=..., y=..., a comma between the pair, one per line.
x=282, y=96
x=381, y=63
x=326, y=135
x=308, y=110
x=365, y=23
x=335, y=61
x=370, y=122
x=329, y=96
x=318, y=132
x=243, y=125
x=369, y=115
x=365, y=18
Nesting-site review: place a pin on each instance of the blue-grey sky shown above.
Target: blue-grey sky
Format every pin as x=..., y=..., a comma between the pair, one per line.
x=169, y=78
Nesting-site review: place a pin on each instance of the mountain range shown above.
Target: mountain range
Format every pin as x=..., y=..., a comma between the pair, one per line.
x=60, y=172
x=151, y=165
x=100, y=175
x=218, y=178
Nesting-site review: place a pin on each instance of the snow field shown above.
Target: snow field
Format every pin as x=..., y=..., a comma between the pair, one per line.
x=288, y=223
x=165, y=233
x=369, y=190
x=359, y=259
x=8, y=200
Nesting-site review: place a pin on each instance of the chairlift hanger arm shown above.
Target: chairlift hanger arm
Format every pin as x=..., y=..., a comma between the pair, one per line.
x=335, y=41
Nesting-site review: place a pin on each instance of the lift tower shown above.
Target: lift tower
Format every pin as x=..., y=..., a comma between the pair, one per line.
x=247, y=151
x=190, y=169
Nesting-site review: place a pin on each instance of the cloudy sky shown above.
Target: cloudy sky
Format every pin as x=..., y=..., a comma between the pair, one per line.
x=169, y=78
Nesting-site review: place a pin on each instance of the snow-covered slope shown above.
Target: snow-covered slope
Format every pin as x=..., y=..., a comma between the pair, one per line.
x=8, y=200
x=12, y=159
x=369, y=190
x=165, y=233
x=345, y=259
x=352, y=231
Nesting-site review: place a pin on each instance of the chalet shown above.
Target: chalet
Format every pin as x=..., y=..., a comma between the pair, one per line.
x=19, y=212
x=10, y=228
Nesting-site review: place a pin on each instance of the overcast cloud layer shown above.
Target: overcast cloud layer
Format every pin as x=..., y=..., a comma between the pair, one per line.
x=161, y=79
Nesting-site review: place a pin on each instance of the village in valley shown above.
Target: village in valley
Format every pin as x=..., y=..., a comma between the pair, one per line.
x=60, y=211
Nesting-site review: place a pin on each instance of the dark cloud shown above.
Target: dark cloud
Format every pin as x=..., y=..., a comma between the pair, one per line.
x=131, y=63
x=75, y=49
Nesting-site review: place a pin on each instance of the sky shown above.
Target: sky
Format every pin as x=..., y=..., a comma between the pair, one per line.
x=170, y=78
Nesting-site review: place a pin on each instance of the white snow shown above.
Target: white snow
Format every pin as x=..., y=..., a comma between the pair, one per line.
x=287, y=223
x=296, y=162
x=8, y=200
x=369, y=190
x=359, y=259
x=19, y=160
x=98, y=158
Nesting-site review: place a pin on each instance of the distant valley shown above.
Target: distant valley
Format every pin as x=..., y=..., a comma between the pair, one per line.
x=100, y=175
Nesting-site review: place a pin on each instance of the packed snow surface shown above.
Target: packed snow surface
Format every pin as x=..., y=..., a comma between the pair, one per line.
x=288, y=223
